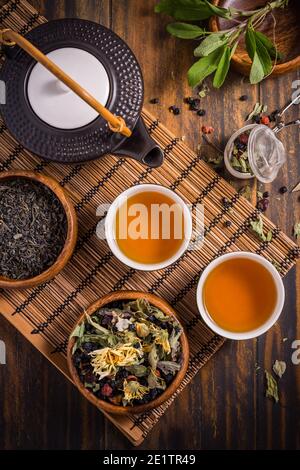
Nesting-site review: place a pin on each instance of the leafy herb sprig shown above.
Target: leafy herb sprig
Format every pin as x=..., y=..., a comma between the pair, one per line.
x=217, y=48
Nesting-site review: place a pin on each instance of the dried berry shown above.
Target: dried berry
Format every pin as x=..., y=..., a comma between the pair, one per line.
x=265, y=120
x=244, y=98
x=201, y=112
x=207, y=129
x=262, y=204
x=283, y=189
x=154, y=101
x=243, y=138
x=106, y=390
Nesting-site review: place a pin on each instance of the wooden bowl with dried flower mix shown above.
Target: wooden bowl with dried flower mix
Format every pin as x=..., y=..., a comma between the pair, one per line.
x=128, y=352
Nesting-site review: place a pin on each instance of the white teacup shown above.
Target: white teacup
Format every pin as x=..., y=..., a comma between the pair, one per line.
x=272, y=318
x=110, y=226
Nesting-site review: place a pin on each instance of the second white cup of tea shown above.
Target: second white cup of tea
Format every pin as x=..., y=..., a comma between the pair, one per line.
x=274, y=315
x=110, y=226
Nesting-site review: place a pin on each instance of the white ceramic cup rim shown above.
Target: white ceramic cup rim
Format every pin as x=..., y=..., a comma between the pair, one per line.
x=262, y=328
x=110, y=227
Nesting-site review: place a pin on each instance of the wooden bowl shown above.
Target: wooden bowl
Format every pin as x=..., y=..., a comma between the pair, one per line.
x=71, y=237
x=116, y=409
x=287, y=34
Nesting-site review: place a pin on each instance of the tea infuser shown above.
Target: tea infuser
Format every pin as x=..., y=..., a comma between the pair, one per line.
x=266, y=153
x=81, y=100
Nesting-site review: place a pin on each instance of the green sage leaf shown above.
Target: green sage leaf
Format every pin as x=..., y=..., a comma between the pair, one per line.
x=264, y=57
x=250, y=42
x=273, y=51
x=204, y=67
x=185, y=30
x=223, y=68
x=210, y=44
x=218, y=11
x=257, y=72
x=187, y=10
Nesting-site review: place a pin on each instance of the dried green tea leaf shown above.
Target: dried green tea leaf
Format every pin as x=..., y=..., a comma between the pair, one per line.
x=256, y=111
x=272, y=387
x=153, y=357
x=258, y=227
x=297, y=230
x=168, y=367
x=279, y=368
x=138, y=370
x=156, y=382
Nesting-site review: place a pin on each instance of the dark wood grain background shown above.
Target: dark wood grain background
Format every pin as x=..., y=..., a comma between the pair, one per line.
x=225, y=407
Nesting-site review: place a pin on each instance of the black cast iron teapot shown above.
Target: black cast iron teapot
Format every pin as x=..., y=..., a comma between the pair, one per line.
x=74, y=92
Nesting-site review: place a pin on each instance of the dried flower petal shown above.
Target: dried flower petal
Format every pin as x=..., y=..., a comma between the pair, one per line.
x=279, y=368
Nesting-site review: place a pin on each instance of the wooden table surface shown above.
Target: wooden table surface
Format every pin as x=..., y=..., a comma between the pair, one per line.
x=225, y=407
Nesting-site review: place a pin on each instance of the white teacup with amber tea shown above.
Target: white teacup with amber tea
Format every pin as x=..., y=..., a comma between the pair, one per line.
x=148, y=227
x=240, y=295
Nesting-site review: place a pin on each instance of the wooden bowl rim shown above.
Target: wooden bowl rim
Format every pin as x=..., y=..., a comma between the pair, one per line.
x=170, y=390
x=71, y=237
x=237, y=60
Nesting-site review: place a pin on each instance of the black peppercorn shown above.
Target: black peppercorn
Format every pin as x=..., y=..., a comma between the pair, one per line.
x=201, y=112
x=266, y=194
x=225, y=201
x=283, y=189
x=228, y=223
x=256, y=119
x=243, y=98
x=176, y=111
x=154, y=101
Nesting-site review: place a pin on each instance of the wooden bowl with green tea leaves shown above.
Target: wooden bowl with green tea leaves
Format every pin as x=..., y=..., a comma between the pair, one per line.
x=128, y=353
x=281, y=26
x=38, y=229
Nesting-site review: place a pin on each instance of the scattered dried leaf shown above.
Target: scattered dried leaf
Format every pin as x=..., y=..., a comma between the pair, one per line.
x=297, y=230
x=272, y=387
x=258, y=227
x=279, y=368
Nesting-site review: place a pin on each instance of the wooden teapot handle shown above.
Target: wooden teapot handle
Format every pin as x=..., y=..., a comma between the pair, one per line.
x=116, y=123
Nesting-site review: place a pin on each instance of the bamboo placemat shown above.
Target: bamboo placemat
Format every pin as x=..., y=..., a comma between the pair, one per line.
x=45, y=315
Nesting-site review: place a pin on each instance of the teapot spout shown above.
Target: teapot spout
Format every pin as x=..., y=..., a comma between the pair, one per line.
x=141, y=147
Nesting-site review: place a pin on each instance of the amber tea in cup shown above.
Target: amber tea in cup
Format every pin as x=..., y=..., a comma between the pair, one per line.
x=240, y=295
x=148, y=227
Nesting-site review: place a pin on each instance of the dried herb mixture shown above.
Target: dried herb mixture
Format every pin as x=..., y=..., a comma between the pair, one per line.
x=33, y=228
x=127, y=353
x=239, y=155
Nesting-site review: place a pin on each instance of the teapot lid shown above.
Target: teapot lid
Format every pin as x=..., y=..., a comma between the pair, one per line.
x=50, y=120
x=57, y=105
